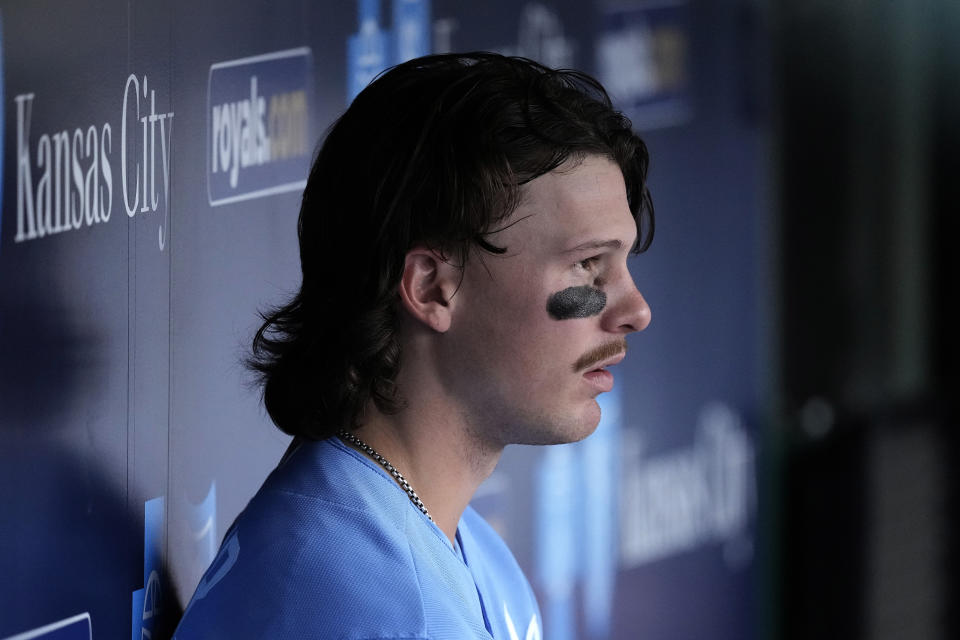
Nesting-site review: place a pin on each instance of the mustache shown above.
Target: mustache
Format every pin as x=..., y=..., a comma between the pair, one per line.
x=599, y=354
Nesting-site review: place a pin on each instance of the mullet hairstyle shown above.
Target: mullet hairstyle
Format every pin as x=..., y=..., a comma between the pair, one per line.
x=434, y=153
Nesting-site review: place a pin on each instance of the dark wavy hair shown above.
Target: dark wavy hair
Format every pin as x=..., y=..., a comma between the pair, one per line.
x=432, y=153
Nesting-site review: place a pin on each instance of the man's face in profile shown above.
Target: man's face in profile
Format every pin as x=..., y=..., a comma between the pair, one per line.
x=535, y=328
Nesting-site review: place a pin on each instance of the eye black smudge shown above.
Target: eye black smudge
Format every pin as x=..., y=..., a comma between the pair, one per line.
x=576, y=302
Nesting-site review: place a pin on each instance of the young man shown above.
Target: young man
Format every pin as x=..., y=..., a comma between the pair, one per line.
x=464, y=237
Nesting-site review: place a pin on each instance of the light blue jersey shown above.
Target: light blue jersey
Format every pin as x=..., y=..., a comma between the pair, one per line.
x=331, y=547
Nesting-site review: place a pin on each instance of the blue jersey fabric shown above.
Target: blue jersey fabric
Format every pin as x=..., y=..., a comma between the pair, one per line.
x=331, y=547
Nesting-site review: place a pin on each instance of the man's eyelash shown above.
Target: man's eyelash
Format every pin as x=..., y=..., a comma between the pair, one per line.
x=589, y=264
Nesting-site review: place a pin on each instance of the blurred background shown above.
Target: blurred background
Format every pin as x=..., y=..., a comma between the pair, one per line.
x=779, y=457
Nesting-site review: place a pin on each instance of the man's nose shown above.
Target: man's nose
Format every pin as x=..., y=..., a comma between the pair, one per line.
x=630, y=313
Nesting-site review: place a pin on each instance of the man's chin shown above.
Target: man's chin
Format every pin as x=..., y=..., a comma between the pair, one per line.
x=562, y=432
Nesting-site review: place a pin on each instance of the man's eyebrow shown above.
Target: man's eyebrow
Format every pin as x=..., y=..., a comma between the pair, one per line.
x=596, y=244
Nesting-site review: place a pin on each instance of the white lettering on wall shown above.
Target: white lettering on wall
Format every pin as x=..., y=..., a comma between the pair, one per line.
x=75, y=185
x=685, y=499
x=247, y=133
x=141, y=179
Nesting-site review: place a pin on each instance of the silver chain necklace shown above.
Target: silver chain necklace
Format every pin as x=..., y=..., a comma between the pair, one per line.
x=392, y=470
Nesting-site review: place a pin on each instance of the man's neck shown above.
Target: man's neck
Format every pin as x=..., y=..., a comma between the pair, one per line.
x=437, y=455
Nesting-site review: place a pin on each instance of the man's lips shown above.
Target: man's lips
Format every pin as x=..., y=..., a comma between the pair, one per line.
x=599, y=377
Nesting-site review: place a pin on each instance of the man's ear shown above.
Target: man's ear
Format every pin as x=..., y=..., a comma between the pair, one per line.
x=427, y=287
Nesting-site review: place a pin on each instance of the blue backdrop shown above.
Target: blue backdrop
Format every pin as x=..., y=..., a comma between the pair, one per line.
x=152, y=159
